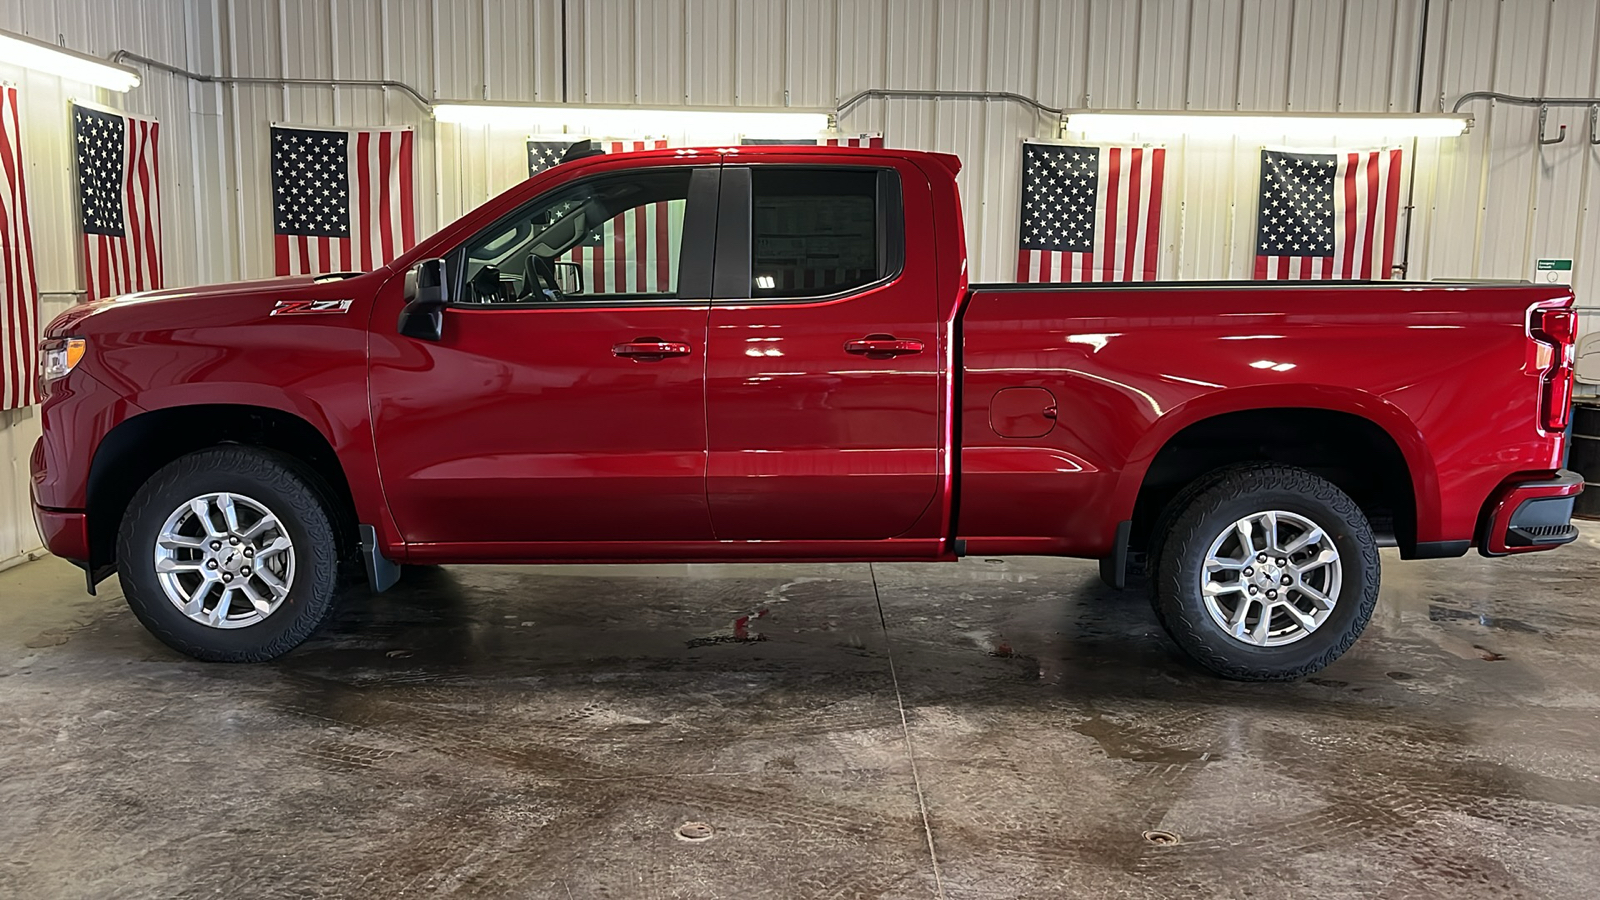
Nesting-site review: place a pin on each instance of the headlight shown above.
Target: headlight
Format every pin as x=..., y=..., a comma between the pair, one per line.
x=57, y=356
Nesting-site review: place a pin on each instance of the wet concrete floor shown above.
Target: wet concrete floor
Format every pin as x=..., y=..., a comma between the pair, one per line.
x=996, y=728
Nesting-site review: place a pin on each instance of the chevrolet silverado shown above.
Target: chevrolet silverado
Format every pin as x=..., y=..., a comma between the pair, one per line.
x=773, y=353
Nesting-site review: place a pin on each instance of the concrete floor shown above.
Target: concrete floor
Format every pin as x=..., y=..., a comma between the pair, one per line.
x=997, y=728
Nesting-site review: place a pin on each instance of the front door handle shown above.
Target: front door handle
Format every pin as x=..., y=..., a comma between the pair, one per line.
x=649, y=349
x=882, y=346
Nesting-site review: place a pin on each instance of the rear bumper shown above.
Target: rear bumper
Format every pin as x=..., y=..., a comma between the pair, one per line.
x=1524, y=516
x=65, y=532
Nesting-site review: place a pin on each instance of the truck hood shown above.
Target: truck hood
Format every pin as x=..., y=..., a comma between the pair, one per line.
x=154, y=309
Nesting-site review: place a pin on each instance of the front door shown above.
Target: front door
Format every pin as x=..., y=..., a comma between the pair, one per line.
x=565, y=400
x=822, y=384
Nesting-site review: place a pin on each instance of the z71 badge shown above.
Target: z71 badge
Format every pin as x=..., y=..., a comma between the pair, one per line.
x=309, y=307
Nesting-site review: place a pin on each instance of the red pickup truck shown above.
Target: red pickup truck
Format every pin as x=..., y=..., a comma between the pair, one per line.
x=774, y=354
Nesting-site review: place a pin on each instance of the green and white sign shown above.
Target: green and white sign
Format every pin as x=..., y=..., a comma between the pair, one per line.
x=1552, y=271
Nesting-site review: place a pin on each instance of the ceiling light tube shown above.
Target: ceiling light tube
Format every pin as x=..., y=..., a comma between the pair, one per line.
x=627, y=120
x=1112, y=125
x=24, y=51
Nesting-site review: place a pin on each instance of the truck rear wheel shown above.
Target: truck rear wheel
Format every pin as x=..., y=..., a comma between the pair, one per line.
x=228, y=555
x=1267, y=573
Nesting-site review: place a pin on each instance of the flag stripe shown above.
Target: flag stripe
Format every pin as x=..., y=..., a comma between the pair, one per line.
x=1135, y=177
x=19, y=310
x=1372, y=216
x=1391, y=211
x=1152, y=229
x=1114, y=235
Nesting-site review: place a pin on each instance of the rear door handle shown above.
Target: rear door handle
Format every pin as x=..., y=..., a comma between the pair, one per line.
x=649, y=349
x=882, y=346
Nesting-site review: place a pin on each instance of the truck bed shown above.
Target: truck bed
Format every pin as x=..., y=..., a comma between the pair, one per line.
x=1444, y=371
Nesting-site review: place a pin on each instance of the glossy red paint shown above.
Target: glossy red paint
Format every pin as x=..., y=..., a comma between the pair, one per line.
x=522, y=425
x=530, y=435
x=1510, y=497
x=822, y=422
x=65, y=532
x=1448, y=371
x=215, y=345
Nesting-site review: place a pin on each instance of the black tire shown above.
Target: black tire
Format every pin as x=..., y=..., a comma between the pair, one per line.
x=278, y=483
x=1163, y=528
x=1200, y=516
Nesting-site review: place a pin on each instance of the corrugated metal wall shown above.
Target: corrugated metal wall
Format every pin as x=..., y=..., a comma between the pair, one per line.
x=157, y=28
x=1486, y=205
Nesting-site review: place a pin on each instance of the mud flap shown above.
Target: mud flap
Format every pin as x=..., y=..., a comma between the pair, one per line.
x=382, y=572
x=1114, y=568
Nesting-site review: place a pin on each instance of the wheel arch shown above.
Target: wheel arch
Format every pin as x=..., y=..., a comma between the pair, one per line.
x=1363, y=444
x=138, y=446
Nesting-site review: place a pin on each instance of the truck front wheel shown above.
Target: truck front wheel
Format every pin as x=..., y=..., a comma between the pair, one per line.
x=1267, y=573
x=228, y=554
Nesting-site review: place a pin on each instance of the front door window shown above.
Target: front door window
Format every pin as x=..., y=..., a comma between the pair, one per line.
x=607, y=240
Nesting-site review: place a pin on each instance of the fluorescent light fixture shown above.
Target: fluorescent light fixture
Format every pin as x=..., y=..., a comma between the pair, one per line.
x=1263, y=125
x=629, y=120
x=24, y=51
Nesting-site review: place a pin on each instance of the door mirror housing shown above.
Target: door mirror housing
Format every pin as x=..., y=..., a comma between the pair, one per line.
x=427, y=292
x=569, y=277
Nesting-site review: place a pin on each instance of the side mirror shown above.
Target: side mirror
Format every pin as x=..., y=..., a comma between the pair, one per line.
x=426, y=294
x=569, y=277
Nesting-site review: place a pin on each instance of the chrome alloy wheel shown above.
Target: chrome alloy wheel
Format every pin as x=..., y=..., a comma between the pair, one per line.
x=224, y=560
x=1271, y=578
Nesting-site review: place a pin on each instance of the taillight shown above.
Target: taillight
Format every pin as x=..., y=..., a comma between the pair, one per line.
x=1556, y=329
x=1557, y=326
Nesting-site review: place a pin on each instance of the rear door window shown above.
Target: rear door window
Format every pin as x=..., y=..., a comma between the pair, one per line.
x=818, y=231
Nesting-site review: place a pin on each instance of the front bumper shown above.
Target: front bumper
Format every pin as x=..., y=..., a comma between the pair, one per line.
x=1524, y=516
x=65, y=532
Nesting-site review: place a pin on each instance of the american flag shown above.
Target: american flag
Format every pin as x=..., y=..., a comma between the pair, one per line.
x=1090, y=213
x=1327, y=215
x=342, y=200
x=631, y=253
x=872, y=139
x=544, y=153
x=119, y=200
x=19, y=305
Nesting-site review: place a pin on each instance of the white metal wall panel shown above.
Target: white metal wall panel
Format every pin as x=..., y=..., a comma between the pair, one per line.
x=810, y=36
x=1063, y=67
x=522, y=60
x=1568, y=71
x=1265, y=27
x=1212, y=77
x=1111, y=46
x=1163, y=55
x=658, y=37
x=709, y=77
x=761, y=52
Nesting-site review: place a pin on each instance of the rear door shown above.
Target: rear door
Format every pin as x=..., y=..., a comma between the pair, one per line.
x=822, y=363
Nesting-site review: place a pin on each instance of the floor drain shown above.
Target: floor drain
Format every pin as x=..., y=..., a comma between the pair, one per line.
x=694, y=831
x=1161, y=837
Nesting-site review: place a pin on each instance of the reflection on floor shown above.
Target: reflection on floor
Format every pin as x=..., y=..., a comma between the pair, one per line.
x=996, y=728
